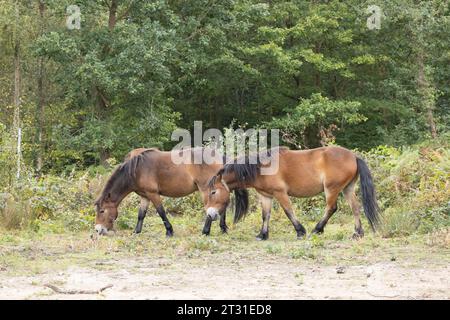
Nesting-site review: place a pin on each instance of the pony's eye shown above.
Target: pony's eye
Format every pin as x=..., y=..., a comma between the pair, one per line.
x=102, y=211
x=213, y=192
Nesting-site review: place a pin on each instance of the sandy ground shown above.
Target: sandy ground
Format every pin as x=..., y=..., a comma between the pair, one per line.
x=223, y=277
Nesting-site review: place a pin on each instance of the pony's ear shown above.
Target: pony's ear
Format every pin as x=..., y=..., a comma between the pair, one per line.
x=219, y=180
x=219, y=175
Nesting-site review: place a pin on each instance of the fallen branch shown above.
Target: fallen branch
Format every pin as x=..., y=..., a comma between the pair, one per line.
x=58, y=290
x=381, y=296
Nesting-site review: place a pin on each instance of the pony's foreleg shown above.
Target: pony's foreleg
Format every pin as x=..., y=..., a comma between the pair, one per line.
x=143, y=206
x=331, y=199
x=207, y=227
x=266, y=206
x=223, y=222
x=156, y=200
x=223, y=225
x=285, y=203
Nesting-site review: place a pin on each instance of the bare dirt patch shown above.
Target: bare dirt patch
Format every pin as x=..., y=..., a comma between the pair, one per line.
x=220, y=276
x=231, y=266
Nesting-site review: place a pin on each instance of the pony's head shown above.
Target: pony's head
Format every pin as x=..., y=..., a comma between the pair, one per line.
x=120, y=184
x=219, y=198
x=106, y=214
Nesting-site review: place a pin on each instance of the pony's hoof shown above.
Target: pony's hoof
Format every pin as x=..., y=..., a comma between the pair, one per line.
x=317, y=231
x=301, y=236
x=169, y=234
x=262, y=236
x=301, y=231
x=205, y=233
x=357, y=236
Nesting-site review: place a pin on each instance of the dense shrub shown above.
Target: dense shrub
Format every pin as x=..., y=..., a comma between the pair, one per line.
x=413, y=186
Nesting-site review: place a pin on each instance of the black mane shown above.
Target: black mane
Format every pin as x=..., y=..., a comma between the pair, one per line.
x=247, y=168
x=123, y=177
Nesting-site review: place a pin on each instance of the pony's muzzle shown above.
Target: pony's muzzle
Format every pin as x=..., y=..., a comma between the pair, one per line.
x=101, y=230
x=212, y=213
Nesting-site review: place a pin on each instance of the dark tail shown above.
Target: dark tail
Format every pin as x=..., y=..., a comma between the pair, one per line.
x=368, y=195
x=241, y=200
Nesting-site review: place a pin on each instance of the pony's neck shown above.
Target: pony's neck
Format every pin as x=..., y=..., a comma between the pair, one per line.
x=117, y=190
x=120, y=196
x=233, y=183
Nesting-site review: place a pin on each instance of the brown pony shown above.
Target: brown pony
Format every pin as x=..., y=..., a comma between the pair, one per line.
x=151, y=173
x=304, y=173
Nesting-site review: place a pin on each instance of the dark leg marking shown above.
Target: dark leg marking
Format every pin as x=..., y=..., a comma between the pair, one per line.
x=301, y=231
x=359, y=233
x=207, y=226
x=263, y=235
x=266, y=208
x=223, y=223
x=141, y=215
x=321, y=224
x=162, y=214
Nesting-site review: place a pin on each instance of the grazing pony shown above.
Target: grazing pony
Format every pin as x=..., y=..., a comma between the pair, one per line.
x=301, y=173
x=151, y=173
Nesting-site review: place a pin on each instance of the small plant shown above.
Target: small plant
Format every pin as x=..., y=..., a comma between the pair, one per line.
x=274, y=249
x=205, y=244
x=305, y=250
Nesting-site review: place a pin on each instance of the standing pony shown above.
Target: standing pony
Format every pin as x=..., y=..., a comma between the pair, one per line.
x=151, y=173
x=303, y=173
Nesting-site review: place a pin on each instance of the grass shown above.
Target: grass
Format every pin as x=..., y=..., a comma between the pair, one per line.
x=45, y=225
x=36, y=252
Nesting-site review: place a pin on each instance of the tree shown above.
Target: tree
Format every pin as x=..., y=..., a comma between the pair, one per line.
x=113, y=75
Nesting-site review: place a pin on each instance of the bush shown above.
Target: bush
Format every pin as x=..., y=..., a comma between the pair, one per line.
x=413, y=186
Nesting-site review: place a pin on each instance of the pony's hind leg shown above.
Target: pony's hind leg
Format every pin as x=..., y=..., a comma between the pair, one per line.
x=143, y=206
x=331, y=197
x=350, y=196
x=156, y=200
x=285, y=203
x=266, y=205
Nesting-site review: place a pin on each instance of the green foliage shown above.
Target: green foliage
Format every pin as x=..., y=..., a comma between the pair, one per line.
x=412, y=186
x=312, y=69
x=8, y=164
x=319, y=115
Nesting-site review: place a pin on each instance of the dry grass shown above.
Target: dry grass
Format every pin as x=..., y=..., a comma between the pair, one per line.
x=31, y=252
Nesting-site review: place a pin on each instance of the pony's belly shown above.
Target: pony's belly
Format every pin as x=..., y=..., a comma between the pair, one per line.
x=178, y=190
x=305, y=191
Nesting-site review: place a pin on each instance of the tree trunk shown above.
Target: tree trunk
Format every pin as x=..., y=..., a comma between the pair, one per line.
x=105, y=154
x=102, y=101
x=426, y=91
x=112, y=15
x=41, y=98
x=17, y=83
